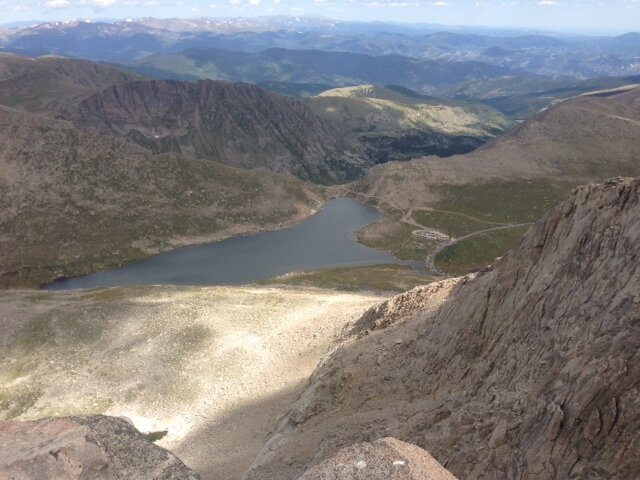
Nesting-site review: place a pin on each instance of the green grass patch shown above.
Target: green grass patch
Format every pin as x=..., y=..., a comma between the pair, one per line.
x=396, y=278
x=453, y=224
x=477, y=252
x=504, y=201
x=394, y=236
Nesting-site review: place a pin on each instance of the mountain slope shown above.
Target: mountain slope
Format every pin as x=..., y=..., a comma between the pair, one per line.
x=511, y=180
x=529, y=370
x=399, y=124
x=236, y=124
x=315, y=66
x=46, y=83
x=71, y=203
x=583, y=138
x=160, y=355
x=521, y=97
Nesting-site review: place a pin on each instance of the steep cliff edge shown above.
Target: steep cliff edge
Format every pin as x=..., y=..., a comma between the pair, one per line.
x=529, y=370
x=236, y=124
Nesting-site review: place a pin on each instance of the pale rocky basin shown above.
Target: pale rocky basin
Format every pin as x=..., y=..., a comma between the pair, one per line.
x=215, y=366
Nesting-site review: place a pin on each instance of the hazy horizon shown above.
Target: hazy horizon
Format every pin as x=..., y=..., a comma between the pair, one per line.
x=554, y=16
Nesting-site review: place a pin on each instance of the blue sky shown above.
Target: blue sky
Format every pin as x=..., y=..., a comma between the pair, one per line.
x=585, y=16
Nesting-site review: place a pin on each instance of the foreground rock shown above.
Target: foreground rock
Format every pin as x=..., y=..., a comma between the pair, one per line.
x=88, y=447
x=384, y=459
x=528, y=371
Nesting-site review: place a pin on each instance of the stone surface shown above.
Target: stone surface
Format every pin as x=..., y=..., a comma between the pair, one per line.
x=528, y=371
x=235, y=124
x=384, y=459
x=87, y=447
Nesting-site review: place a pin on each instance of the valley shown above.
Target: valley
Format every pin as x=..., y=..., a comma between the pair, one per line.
x=304, y=248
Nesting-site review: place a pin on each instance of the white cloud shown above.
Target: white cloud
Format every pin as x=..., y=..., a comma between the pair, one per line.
x=255, y=3
x=58, y=3
x=548, y=3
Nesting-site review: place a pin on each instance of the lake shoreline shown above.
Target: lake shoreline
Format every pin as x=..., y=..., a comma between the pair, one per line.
x=324, y=237
x=178, y=242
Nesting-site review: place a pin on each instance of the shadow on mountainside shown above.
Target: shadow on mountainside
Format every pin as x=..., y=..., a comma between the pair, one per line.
x=530, y=371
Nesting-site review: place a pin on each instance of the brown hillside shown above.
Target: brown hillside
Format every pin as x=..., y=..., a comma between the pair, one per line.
x=72, y=202
x=46, y=83
x=527, y=371
x=582, y=139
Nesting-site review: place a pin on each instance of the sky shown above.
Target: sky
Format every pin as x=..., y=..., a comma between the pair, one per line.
x=571, y=16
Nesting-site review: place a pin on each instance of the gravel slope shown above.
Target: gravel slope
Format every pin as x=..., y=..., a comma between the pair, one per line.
x=215, y=366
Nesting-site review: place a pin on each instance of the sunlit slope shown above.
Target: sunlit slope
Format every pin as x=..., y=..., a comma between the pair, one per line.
x=509, y=181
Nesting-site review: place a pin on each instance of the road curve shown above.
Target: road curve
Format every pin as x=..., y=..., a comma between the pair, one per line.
x=430, y=261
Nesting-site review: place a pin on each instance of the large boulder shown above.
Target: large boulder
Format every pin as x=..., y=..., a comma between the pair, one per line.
x=86, y=447
x=384, y=459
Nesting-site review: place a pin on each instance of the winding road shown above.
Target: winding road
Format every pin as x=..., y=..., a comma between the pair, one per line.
x=407, y=218
x=430, y=260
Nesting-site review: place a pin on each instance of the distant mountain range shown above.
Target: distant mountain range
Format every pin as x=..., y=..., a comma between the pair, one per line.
x=518, y=72
x=521, y=97
x=244, y=125
x=533, y=52
x=314, y=66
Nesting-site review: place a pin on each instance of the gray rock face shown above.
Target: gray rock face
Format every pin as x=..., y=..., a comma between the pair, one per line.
x=231, y=123
x=87, y=447
x=530, y=370
x=384, y=459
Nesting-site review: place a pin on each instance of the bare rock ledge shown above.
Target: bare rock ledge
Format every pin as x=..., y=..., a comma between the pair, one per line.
x=91, y=447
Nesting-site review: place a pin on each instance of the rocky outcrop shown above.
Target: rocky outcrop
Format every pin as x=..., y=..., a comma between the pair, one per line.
x=384, y=459
x=232, y=123
x=529, y=371
x=88, y=447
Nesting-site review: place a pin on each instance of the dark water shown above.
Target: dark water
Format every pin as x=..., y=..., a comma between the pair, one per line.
x=325, y=240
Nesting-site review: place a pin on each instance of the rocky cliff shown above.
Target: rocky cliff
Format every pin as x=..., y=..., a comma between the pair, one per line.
x=86, y=447
x=528, y=370
x=232, y=123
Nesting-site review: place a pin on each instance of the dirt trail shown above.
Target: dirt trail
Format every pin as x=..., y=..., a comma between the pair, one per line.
x=407, y=218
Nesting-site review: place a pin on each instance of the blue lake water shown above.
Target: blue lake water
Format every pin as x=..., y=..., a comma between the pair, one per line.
x=325, y=240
